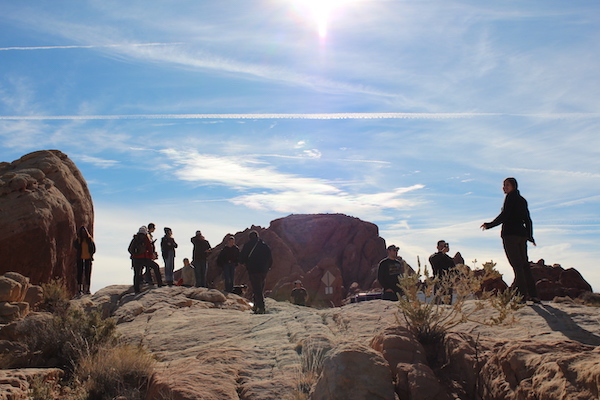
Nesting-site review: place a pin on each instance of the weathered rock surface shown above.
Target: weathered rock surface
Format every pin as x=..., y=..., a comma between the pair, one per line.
x=15, y=383
x=312, y=248
x=214, y=349
x=17, y=296
x=43, y=200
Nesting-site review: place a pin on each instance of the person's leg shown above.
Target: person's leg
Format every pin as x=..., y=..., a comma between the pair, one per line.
x=228, y=270
x=197, y=273
x=80, y=276
x=137, y=274
x=203, y=270
x=515, y=248
x=87, y=275
x=169, y=267
x=258, y=285
x=156, y=268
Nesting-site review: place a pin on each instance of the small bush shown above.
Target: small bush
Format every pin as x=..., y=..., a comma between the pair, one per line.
x=66, y=338
x=56, y=296
x=590, y=299
x=116, y=371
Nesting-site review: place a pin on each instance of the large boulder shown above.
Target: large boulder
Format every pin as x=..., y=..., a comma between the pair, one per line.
x=555, y=281
x=43, y=200
x=328, y=252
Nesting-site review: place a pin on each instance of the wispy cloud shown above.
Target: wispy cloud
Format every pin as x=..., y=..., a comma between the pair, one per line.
x=98, y=162
x=91, y=46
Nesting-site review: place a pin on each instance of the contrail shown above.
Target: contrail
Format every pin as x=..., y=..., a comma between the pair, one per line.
x=92, y=46
x=314, y=116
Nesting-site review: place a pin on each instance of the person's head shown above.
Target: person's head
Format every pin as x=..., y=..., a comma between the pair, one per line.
x=198, y=234
x=253, y=235
x=298, y=284
x=143, y=230
x=443, y=246
x=186, y=261
x=230, y=241
x=83, y=233
x=151, y=227
x=509, y=185
x=168, y=231
x=392, y=251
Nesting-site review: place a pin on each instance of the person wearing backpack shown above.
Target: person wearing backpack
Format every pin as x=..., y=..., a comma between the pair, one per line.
x=142, y=255
x=256, y=256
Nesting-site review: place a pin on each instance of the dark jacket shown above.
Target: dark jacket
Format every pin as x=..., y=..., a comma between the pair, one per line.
x=228, y=255
x=388, y=272
x=167, y=243
x=201, y=245
x=256, y=254
x=514, y=217
x=440, y=263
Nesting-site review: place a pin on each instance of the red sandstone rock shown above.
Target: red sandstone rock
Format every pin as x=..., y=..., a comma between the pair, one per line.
x=309, y=248
x=43, y=200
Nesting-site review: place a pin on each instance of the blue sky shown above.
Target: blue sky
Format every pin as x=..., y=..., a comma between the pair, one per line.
x=408, y=114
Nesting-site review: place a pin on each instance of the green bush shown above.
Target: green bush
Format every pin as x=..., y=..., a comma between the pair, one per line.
x=56, y=296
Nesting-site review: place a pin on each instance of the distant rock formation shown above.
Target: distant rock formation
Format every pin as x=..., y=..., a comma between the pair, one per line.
x=327, y=252
x=43, y=200
x=555, y=281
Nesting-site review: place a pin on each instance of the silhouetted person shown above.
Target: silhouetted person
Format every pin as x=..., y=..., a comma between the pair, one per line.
x=517, y=230
x=256, y=256
x=167, y=247
x=440, y=261
x=199, y=258
x=84, y=243
x=228, y=260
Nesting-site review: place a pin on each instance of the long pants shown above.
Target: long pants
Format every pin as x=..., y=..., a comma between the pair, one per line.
x=229, y=276
x=169, y=260
x=84, y=271
x=515, y=248
x=200, y=269
x=150, y=265
x=257, y=281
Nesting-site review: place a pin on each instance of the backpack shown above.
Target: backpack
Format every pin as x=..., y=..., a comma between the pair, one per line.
x=137, y=247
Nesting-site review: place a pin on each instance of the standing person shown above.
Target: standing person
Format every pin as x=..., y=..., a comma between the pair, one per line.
x=389, y=271
x=148, y=274
x=299, y=294
x=84, y=243
x=199, y=255
x=256, y=256
x=143, y=256
x=168, y=246
x=228, y=259
x=517, y=230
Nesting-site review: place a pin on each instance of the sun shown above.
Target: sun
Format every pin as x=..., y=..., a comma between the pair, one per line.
x=320, y=12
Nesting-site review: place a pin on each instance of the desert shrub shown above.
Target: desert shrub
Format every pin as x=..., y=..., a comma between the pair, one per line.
x=312, y=355
x=431, y=308
x=56, y=296
x=590, y=299
x=67, y=337
x=116, y=371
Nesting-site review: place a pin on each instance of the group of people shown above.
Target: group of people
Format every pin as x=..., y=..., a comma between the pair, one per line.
x=517, y=230
x=255, y=255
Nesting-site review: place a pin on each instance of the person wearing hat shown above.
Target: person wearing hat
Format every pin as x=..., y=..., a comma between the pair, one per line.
x=299, y=294
x=199, y=258
x=167, y=247
x=144, y=259
x=389, y=271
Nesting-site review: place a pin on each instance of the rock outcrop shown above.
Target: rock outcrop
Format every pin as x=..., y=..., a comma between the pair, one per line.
x=555, y=281
x=328, y=252
x=17, y=296
x=43, y=200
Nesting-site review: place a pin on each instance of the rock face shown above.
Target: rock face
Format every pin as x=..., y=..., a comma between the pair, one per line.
x=327, y=252
x=43, y=200
x=555, y=281
x=17, y=296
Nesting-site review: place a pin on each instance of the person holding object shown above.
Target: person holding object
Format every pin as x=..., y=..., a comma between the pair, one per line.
x=517, y=230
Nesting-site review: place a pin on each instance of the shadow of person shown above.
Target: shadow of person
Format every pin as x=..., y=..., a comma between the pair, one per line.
x=561, y=321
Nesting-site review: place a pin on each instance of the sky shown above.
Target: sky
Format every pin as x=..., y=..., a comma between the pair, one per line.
x=220, y=115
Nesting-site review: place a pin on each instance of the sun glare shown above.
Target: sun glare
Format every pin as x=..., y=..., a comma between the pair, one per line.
x=320, y=12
